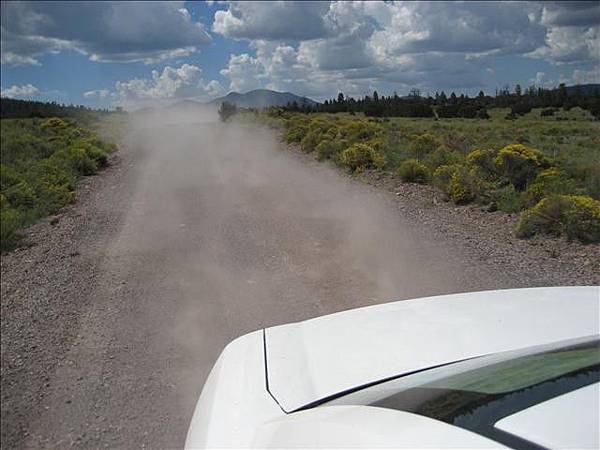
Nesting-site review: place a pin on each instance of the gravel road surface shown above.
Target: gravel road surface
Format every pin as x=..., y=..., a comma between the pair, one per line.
x=197, y=233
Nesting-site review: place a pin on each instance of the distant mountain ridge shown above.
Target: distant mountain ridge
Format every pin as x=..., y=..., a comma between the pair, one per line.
x=585, y=89
x=262, y=98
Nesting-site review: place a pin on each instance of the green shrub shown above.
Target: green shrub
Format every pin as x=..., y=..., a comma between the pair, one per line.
x=591, y=180
x=41, y=162
x=582, y=163
x=441, y=156
x=362, y=156
x=54, y=123
x=8, y=177
x=109, y=147
x=94, y=141
x=458, y=181
x=443, y=174
x=54, y=197
x=20, y=195
x=47, y=172
x=296, y=128
x=377, y=144
x=309, y=142
x=295, y=134
x=317, y=130
x=422, y=145
x=10, y=222
x=519, y=164
x=359, y=130
x=15, y=190
x=320, y=125
x=98, y=155
x=75, y=159
x=583, y=219
x=577, y=216
x=507, y=199
x=54, y=186
x=413, y=171
x=328, y=148
x=333, y=132
x=483, y=159
x=548, y=182
x=460, y=187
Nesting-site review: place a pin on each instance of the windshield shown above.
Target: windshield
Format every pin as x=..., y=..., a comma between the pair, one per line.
x=477, y=393
x=522, y=372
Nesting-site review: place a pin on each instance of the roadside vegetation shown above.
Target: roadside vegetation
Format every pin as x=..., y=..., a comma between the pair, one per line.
x=42, y=160
x=547, y=167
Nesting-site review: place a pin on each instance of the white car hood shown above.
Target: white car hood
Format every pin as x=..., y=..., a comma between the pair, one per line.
x=315, y=359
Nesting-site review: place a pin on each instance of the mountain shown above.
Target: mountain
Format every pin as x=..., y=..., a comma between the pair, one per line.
x=188, y=106
x=262, y=98
x=585, y=89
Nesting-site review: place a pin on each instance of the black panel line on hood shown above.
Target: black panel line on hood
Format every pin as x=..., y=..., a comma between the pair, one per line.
x=328, y=398
x=267, y=372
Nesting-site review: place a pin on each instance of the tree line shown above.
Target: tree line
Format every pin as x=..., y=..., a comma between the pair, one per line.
x=520, y=101
x=14, y=109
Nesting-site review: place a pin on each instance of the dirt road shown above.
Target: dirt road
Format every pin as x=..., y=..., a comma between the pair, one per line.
x=199, y=234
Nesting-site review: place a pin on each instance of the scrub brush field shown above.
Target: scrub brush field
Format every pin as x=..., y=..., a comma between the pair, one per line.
x=42, y=160
x=545, y=167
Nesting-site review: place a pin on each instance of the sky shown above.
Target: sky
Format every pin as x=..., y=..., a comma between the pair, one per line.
x=133, y=54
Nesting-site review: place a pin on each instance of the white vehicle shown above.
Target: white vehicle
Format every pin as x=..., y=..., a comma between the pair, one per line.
x=513, y=368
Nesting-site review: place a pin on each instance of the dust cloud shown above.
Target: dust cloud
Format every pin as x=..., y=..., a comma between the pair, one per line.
x=229, y=232
x=262, y=214
x=266, y=236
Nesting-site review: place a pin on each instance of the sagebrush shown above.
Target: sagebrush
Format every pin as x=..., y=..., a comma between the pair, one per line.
x=42, y=159
x=508, y=165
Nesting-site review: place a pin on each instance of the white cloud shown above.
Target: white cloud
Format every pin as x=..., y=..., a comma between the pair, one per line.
x=100, y=93
x=272, y=20
x=172, y=83
x=570, y=44
x=25, y=90
x=20, y=50
x=357, y=45
x=341, y=45
x=17, y=60
x=280, y=67
x=571, y=14
x=402, y=27
x=541, y=80
x=581, y=76
x=244, y=72
x=350, y=26
x=470, y=28
x=572, y=32
x=213, y=89
x=105, y=31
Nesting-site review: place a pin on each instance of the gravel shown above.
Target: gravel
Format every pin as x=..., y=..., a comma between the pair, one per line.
x=489, y=237
x=46, y=287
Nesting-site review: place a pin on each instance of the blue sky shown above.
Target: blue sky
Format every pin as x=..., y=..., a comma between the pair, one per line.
x=108, y=54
